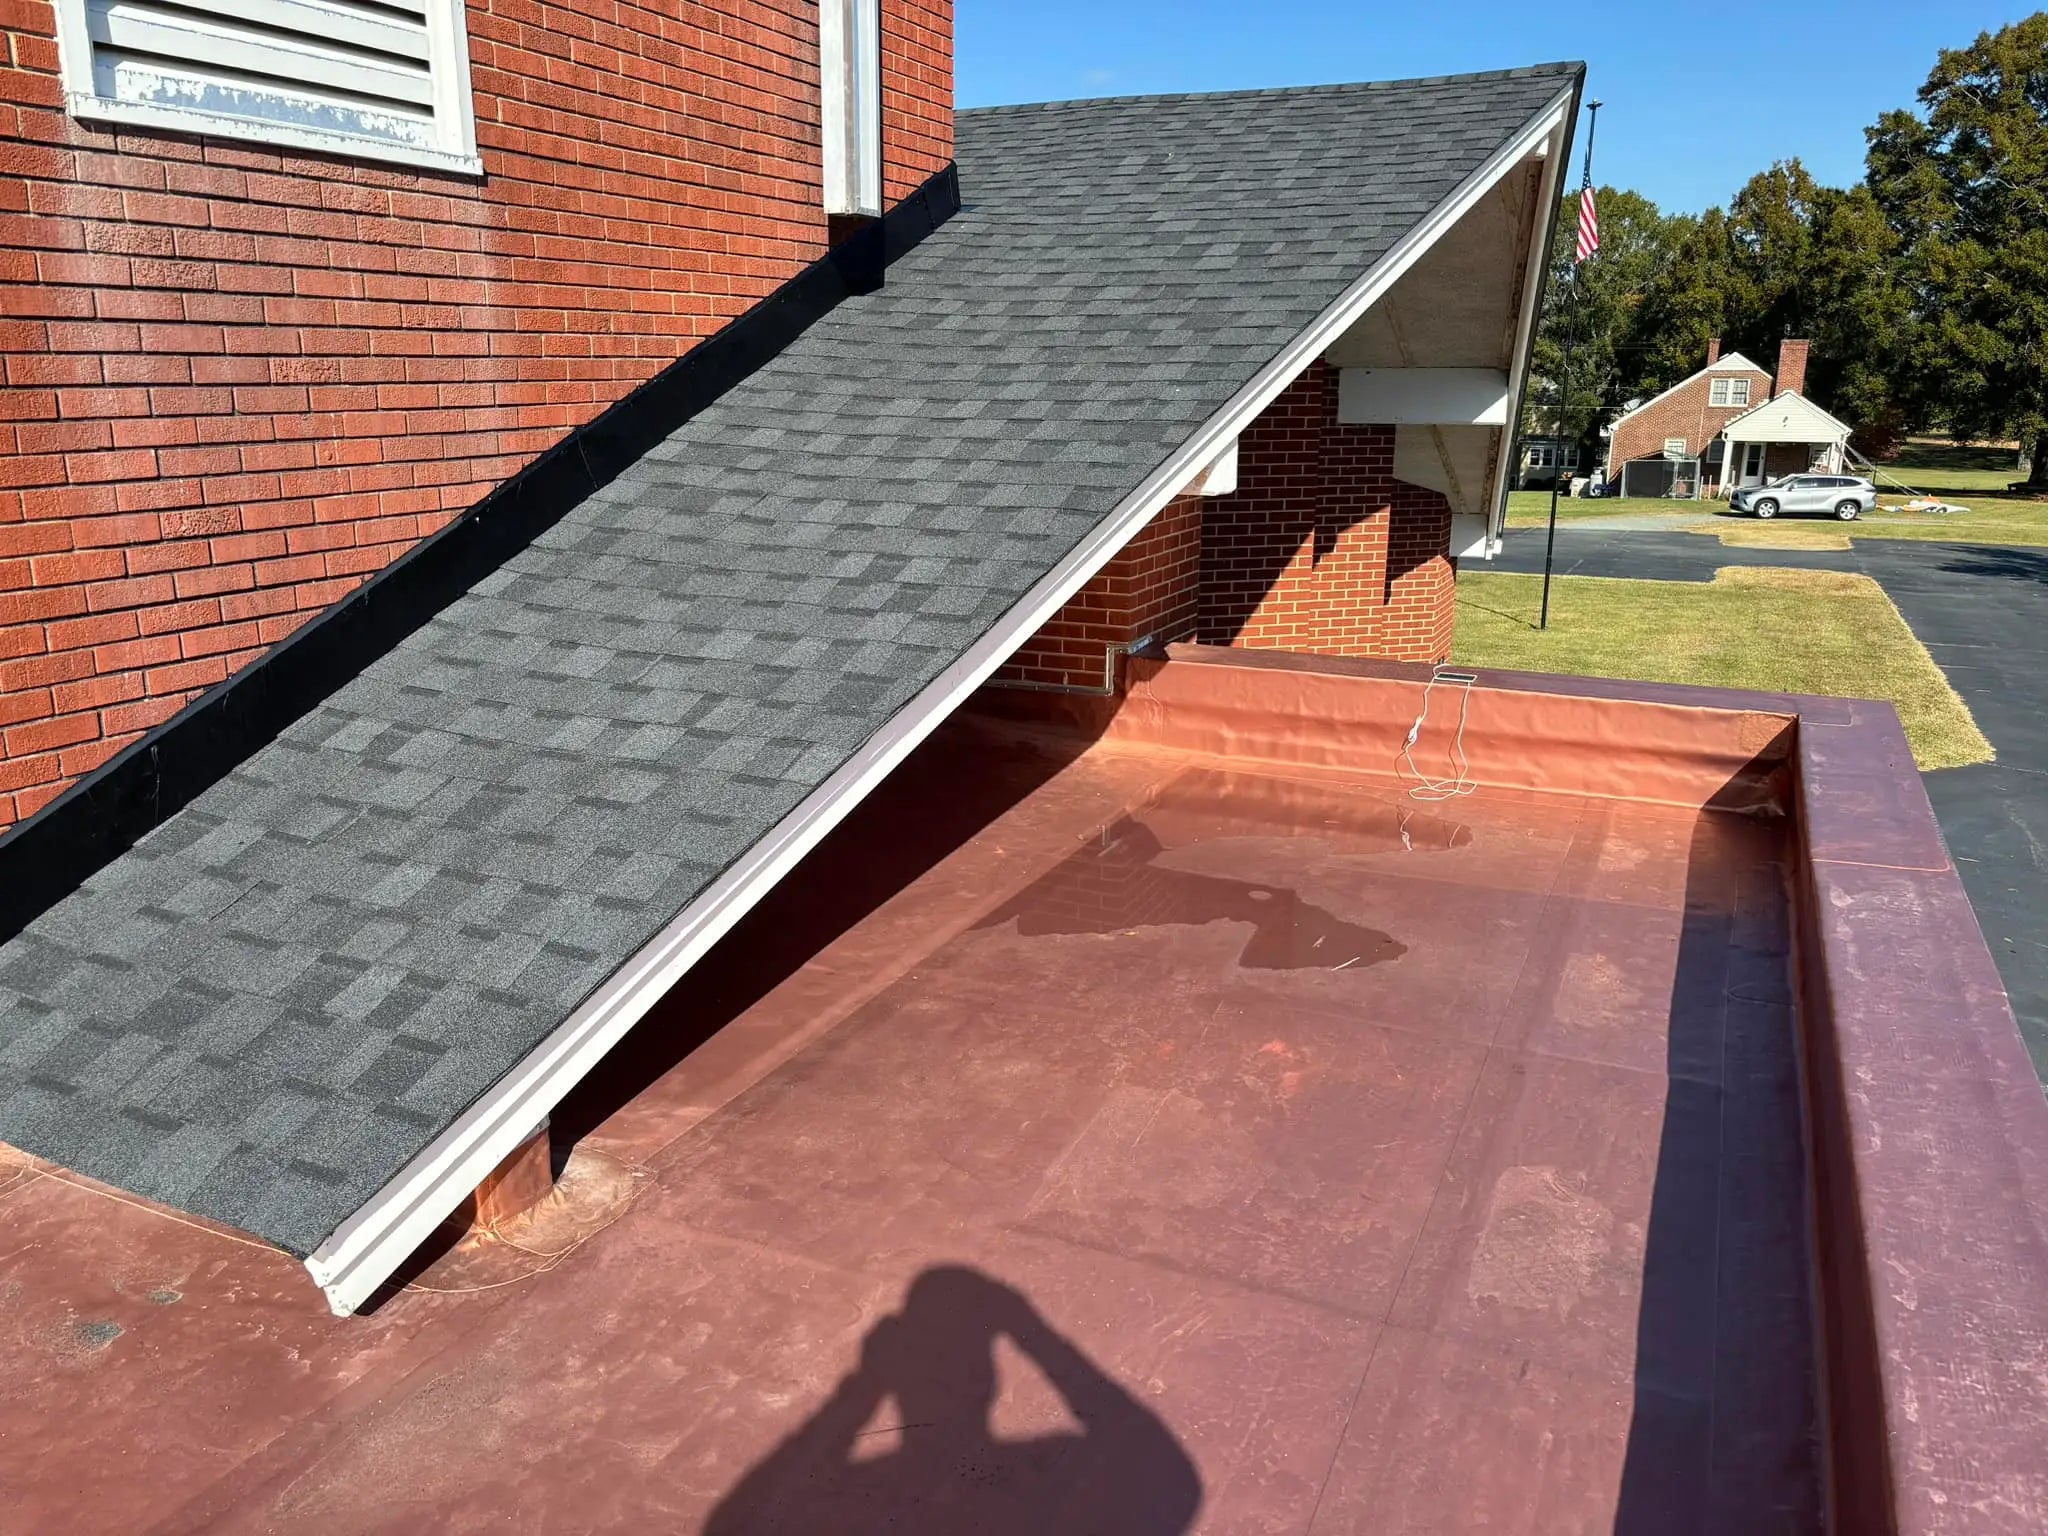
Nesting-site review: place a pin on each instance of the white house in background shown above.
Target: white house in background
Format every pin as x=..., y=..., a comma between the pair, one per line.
x=1543, y=460
x=1785, y=435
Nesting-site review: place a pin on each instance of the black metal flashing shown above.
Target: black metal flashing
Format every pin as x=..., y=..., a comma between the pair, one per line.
x=57, y=849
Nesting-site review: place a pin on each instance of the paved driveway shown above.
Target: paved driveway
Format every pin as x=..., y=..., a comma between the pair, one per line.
x=1983, y=614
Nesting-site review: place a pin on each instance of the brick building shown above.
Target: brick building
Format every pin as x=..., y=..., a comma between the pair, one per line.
x=1688, y=422
x=1314, y=545
x=248, y=363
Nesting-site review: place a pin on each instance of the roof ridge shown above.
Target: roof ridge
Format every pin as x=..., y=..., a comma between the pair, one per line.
x=1561, y=69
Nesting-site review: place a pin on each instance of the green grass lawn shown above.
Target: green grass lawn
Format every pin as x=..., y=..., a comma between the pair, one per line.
x=1531, y=509
x=1937, y=468
x=1826, y=632
x=1974, y=477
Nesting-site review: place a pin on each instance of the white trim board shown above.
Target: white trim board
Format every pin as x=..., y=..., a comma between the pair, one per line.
x=1536, y=271
x=1425, y=397
x=372, y=1242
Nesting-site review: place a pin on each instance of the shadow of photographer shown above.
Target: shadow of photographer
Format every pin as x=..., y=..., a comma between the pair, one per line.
x=1123, y=1472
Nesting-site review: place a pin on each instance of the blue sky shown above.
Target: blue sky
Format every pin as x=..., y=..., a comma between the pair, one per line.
x=1697, y=98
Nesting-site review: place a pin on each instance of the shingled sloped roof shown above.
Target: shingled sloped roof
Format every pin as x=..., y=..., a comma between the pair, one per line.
x=278, y=999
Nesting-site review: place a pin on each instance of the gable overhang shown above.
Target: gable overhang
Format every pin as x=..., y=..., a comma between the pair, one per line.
x=1556, y=147
x=369, y=1246
x=1443, y=356
x=1788, y=418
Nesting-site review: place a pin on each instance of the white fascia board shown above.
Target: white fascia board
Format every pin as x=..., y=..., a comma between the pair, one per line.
x=386, y=1229
x=1535, y=271
x=1220, y=478
x=1422, y=397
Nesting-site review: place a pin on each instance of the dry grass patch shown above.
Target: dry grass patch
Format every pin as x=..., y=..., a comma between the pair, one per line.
x=1747, y=533
x=1776, y=630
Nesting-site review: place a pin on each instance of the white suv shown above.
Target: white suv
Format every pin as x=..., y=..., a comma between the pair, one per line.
x=1845, y=496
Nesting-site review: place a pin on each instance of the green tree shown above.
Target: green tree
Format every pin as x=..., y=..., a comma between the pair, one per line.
x=1636, y=242
x=1857, y=308
x=1964, y=186
x=1789, y=257
x=1696, y=297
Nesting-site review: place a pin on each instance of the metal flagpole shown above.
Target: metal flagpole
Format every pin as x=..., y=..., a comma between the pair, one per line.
x=1564, y=383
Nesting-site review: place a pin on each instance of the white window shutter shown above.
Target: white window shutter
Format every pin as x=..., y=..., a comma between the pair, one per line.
x=850, y=96
x=387, y=80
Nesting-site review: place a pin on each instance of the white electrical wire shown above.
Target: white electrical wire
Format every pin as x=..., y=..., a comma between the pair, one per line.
x=1425, y=787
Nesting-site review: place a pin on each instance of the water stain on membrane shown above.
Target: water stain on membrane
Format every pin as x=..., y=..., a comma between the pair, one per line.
x=1117, y=886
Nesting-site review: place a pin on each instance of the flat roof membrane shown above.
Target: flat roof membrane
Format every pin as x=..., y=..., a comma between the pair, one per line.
x=1095, y=1138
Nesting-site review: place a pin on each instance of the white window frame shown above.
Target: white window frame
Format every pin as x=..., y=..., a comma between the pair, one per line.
x=850, y=101
x=1676, y=445
x=1721, y=393
x=1539, y=456
x=453, y=108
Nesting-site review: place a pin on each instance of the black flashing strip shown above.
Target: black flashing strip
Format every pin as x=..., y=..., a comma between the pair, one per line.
x=53, y=852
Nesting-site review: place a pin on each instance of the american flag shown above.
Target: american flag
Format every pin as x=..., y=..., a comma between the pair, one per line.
x=1589, y=223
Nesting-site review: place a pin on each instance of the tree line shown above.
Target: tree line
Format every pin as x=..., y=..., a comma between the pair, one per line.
x=1923, y=287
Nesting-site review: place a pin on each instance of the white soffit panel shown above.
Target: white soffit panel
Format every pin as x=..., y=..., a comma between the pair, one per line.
x=1452, y=461
x=1469, y=538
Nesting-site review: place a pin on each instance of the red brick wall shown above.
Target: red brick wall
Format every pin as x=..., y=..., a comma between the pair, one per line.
x=1320, y=548
x=1682, y=413
x=1422, y=579
x=1147, y=591
x=240, y=380
x=1792, y=358
x=1787, y=459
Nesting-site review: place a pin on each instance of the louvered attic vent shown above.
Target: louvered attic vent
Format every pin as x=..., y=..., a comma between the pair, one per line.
x=386, y=79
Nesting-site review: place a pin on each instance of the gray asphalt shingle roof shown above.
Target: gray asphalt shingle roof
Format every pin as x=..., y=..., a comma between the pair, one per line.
x=277, y=998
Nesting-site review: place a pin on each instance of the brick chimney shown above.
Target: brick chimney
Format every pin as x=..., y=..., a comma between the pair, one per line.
x=1791, y=377
x=1713, y=350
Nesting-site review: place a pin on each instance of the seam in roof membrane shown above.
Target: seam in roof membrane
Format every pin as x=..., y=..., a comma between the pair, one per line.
x=375, y=1239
